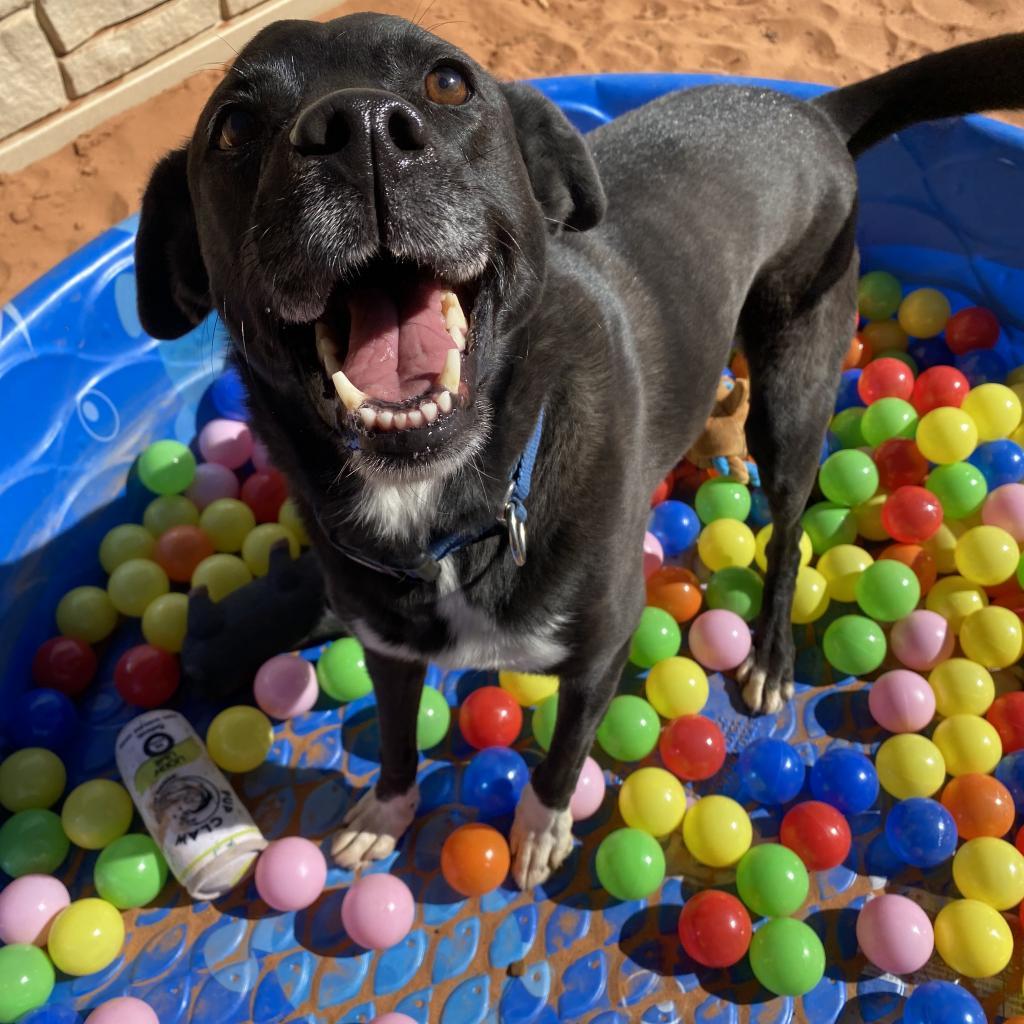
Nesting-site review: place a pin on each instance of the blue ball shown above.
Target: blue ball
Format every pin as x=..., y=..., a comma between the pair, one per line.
x=828, y=447
x=42, y=718
x=999, y=462
x=772, y=771
x=921, y=832
x=760, y=510
x=846, y=779
x=493, y=781
x=847, y=396
x=228, y=395
x=942, y=1002
x=929, y=352
x=676, y=525
x=1010, y=772
x=982, y=366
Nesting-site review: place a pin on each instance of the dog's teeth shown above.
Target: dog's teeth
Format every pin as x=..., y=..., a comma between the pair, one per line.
x=326, y=348
x=368, y=416
x=452, y=372
x=429, y=410
x=444, y=402
x=458, y=335
x=454, y=319
x=351, y=397
x=416, y=418
x=401, y=420
x=385, y=419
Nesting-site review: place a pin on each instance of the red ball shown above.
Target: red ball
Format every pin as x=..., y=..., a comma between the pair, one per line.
x=900, y=464
x=692, y=747
x=1019, y=843
x=490, y=717
x=971, y=328
x=663, y=490
x=885, y=377
x=180, y=549
x=911, y=515
x=64, y=663
x=264, y=492
x=817, y=833
x=714, y=929
x=1006, y=716
x=939, y=386
x=146, y=677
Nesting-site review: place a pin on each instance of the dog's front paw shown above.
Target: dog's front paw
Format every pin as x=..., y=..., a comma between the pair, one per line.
x=541, y=840
x=372, y=828
x=764, y=692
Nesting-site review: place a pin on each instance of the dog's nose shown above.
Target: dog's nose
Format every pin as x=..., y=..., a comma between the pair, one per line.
x=367, y=122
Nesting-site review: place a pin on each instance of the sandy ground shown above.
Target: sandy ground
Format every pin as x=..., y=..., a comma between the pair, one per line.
x=51, y=208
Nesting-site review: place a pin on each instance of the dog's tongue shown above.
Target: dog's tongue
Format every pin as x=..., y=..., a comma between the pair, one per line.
x=396, y=349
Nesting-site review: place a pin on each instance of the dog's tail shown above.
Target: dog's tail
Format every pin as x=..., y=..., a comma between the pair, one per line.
x=987, y=75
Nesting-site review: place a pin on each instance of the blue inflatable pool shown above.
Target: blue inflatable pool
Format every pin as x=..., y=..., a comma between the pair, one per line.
x=83, y=389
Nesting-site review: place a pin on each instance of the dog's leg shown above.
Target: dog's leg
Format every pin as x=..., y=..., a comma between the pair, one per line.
x=372, y=828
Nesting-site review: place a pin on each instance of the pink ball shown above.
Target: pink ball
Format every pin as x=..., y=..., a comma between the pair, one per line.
x=286, y=686
x=393, y=1018
x=212, y=482
x=28, y=906
x=901, y=701
x=290, y=873
x=719, y=640
x=1004, y=507
x=377, y=911
x=922, y=640
x=654, y=555
x=589, y=792
x=895, y=934
x=227, y=442
x=260, y=456
x=124, y=1010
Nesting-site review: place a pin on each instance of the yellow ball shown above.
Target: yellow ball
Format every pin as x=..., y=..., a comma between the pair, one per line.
x=31, y=779
x=941, y=545
x=962, y=687
x=869, y=518
x=973, y=938
x=954, y=599
x=810, y=596
x=842, y=566
x=129, y=540
x=134, y=585
x=946, y=435
x=96, y=813
x=761, y=547
x=968, y=744
x=86, y=613
x=228, y=521
x=86, y=937
x=528, y=690
x=169, y=510
x=986, y=555
x=221, y=575
x=1015, y=376
x=677, y=686
x=726, y=542
x=885, y=336
x=923, y=313
x=652, y=800
x=991, y=871
x=910, y=765
x=992, y=637
x=995, y=410
x=258, y=542
x=240, y=738
x=165, y=622
x=1017, y=437
x=717, y=831
x=289, y=517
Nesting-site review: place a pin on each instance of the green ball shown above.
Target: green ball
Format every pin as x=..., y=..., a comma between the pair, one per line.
x=434, y=718
x=848, y=477
x=904, y=357
x=960, y=488
x=32, y=843
x=719, y=498
x=854, y=645
x=630, y=728
x=737, y=589
x=888, y=590
x=787, y=957
x=630, y=864
x=26, y=980
x=828, y=524
x=167, y=467
x=130, y=872
x=656, y=638
x=31, y=778
x=772, y=880
x=879, y=295
x=886, y=418
x=847, y=427
x=341, y=670
x=543, y=721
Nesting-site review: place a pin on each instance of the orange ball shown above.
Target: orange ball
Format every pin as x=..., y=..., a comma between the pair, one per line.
x=980, y=804
x=914, y=557
x=475, y=859
x=739, y=365
x=855, y=353
x=180, y=549
x=676, y=591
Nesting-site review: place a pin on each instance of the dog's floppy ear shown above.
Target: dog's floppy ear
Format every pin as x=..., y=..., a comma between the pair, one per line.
x=173, y=289
x=562, y=171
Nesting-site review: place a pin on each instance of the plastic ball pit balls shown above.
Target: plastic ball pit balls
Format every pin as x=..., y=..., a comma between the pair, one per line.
x=239, y=739
x=868, y=518
x=676, y=591
x=992, y=637
x=828, y=524
x=129, y=540
x=64, y=663
x=489, y=717
x=221, y=575
x=942, y=1002
x=588, y=795
x=771, y=770
x=288, y=516
x=885, y=336
x=887, y=590
x=886, y=418
x=41, y=718
x=123, y=1010
x=922, y=640
x=719, y=640
x=916, y=558
x=846, y=779
x=146, y=677
x=923, y=313
x=954, y=598
x=26, y=981
x=475, y=860
x=290, y=873
x=378, y=910
x=27, y=907
x=846, y=425
x=87, y=614
x=629, y=730
x=630, y=864
x=787, y=957
x=980, y=804
x=810, y=596
x=677, y=686
x=946, y=435
x=85, y=937
x=130, y=872
x=180, y=549
x=720, y=498
x=527, y=689
x=655, y=638
x=772, y=880
x=261, y=460
x=168, y=511
x=973, y=938
x=166, y=467
x=135, y=584
x=341, y=670
x=725, y=542
x=433, y=720
x=995, y=409
x=901, y=701
x=1006, y=715
x=493, y=781
x=226, y=442
x=899, y=464
x=895, y=934
x=762, y=540
x=1000, y=462
x=32, y=843
x=878, y=295
x=1009, y=771
x=990, y=870
x=285, y=686
x=817, y=833
x=1004, y=507
x=972, y=328
x=842, y=566
x=736, y=589
x=854, y=645
x=849, y=477
x=960, y=487
x=96, y=813
x=885, y=377
x=968, y=744
x=714, y=929
x=211, y=483
x=676, y=526
x=165, y=622
x=652, y=800
x=921, y=832
x=227, y=522
x=986, y=555
x=654, y=555
x=937, y=387
x=31, y=779
x=692, y=747
x=543, y=721
x=259, y=542
x=910, y=766
x=911, y=515
x=717, y=831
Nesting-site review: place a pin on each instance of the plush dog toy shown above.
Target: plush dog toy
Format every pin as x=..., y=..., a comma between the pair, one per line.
x=723, y=444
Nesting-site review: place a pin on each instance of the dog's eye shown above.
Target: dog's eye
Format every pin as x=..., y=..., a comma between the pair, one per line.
x=447, y=85
x=236, y=129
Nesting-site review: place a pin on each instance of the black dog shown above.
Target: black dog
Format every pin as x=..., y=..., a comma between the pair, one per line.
x=441, y=295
